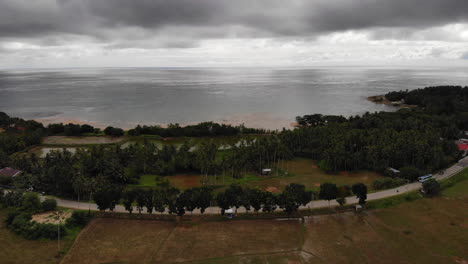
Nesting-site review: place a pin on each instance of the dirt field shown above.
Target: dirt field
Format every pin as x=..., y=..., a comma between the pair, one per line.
x=135, y=241
x=15, y=249
x=424, y=231
x=63, y=140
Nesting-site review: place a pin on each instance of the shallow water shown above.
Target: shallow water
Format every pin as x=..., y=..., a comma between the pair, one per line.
x=258, y=97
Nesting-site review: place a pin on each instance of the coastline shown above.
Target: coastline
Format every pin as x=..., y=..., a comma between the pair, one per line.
x=253, y=120
x=380, y=99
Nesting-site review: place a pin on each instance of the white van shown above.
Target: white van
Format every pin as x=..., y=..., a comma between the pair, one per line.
x=425, y=178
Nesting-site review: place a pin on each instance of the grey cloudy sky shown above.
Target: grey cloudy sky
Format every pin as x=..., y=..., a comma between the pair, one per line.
x=69, y=33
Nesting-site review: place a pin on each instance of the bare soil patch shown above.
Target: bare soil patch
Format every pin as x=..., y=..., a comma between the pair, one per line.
x=49, y=217
x=185, y=181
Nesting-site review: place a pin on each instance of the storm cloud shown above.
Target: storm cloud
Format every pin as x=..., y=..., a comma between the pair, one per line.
x=184, y=24
x=221, y=18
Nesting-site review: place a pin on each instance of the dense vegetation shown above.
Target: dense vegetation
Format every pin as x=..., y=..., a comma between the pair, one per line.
x=415, y=141
x=204, y=129
x=24, y=205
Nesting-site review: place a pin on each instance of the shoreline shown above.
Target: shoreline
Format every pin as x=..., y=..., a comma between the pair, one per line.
x=381, y=99
x=253, y=120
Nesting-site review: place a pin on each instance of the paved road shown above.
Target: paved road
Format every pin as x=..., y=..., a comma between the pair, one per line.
x=314, y=204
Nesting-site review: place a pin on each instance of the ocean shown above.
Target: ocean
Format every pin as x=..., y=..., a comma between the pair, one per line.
x=258, y=97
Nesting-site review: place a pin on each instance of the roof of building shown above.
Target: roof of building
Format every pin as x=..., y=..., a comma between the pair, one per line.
x=462, y=146
x=10, y=172
x=393, y=170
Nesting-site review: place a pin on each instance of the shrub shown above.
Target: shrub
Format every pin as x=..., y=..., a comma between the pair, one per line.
x=325, y=166
x=13, y=199
x=387, y=183
x=431, y=187
x=410, y=173
x=31, y=203
x=6, y=180
x=49, y=205
x=20, y=223
x=78, y=218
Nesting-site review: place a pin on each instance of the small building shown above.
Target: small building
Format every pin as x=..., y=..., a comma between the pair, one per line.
x=392, y=172
x=10, y=172
x=266, y=171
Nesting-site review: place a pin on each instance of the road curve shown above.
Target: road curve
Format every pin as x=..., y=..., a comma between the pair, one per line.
x=314, y=204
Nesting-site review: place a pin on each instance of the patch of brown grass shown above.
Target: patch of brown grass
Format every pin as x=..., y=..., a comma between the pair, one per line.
x=185, y=181
x=136, y=241
x=108, y=240
x=16, y=249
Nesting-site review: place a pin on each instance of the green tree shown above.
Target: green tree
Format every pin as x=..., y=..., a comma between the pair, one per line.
x=159, y=201
x=269, y=202
x=49, y=205
x=149, y=200
x=293, y=196
x=128, y=199
x=31, y=203
x=431, y=187
x=203, y=196
x=255, y=198
x=410, y=173
x=360, y=190
x=140, y=200
x=328, y=191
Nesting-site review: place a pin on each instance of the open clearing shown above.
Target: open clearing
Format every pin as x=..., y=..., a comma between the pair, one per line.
x=424, y=231
x=302, y=171
x=180, y=181
x=50, y=217
x=64, y=140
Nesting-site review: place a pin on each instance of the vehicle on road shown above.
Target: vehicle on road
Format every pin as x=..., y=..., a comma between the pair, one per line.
x=425, y=178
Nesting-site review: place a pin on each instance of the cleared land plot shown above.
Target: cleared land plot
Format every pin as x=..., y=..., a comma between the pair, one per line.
x=304, y=171
x=63, y=140
x=432, y=230
x=425, y=231
x=119, y=241
x=135, y=241
x=16, y=249
x=180, y=181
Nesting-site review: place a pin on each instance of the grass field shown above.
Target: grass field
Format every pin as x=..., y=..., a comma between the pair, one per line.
x=428, y=230
x=303, y=171
x=16, y=249
x=88, y=140
x=180, y=181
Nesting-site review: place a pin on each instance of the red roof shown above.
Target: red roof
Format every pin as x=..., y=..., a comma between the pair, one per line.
x=462, y=146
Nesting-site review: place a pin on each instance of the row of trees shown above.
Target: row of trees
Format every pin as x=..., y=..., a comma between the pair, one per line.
x=177, y=202
x=204, y=129
x=174, y=201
